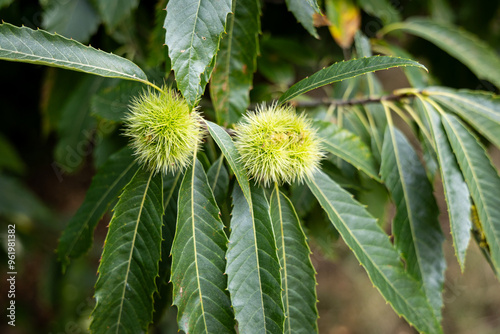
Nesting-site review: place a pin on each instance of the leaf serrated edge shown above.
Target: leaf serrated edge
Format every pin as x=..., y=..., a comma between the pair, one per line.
x=293, y=95
x=45, y=62
x=386, y=279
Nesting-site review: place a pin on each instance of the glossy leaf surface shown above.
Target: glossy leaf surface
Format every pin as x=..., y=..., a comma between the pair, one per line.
x=193, y=29
x=198, y=259
x=39, y=47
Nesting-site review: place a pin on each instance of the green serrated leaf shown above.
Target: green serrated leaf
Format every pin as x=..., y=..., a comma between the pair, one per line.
x=416, y=229
x=456, y=192
x=297, y=272
x=344, y=70
x=39, y=47
x=105, y=187
x=474, y=53
x=129, y=263
x=115, y=11
x=347, y=146
x=372, y=248
x=218, y=179
x=73, y=19
x=481, y=177
x=193, y=29
x=227, y=147
x=304, y=13
x=236, y=62
x=480, y=109
x=198, y=259
x=253, y=270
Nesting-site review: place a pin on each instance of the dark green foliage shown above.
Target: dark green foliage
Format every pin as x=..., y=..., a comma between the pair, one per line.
x=208, y=244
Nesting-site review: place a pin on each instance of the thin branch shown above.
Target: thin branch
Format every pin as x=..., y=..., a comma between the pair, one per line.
x=403, y=93
x=319, y=102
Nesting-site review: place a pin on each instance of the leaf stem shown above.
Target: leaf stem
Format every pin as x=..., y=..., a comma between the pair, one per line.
x=152, y=85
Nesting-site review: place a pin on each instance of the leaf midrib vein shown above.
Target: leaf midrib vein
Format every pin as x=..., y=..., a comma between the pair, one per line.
x=146, y=188
x=388, y=282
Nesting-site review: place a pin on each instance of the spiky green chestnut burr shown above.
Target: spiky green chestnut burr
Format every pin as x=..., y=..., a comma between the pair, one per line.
x=164, y=132
x=277, y=145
